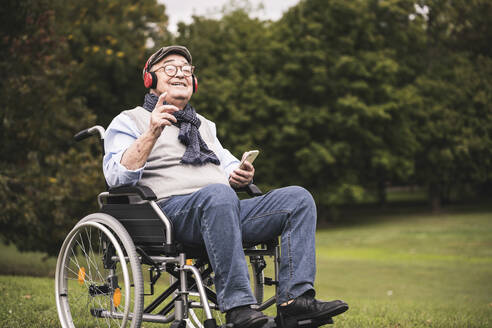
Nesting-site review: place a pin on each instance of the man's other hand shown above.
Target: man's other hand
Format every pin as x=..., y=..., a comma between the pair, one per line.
x=162, y=116
x=242, y=176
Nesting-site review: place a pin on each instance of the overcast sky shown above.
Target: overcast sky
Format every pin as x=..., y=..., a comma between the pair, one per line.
x=182, y=10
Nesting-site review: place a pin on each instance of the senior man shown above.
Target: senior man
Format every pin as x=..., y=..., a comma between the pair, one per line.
x=165, y=145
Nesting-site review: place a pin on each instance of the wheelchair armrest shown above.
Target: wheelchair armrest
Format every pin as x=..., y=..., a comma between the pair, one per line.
x=147, y=194
x=251, y=189
x=144, y=192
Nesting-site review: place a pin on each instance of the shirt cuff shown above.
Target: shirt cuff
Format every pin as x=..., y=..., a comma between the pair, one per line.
x=122, y=175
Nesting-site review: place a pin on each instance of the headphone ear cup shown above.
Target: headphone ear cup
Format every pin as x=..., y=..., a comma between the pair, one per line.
x=195, y=83
x=150, y=80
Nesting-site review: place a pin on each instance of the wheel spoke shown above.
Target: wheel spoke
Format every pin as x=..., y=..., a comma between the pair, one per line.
x=89, y=262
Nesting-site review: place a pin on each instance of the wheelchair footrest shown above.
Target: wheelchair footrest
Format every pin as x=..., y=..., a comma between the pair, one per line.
x=270, y=324
x=305, y=323
x=290, y=323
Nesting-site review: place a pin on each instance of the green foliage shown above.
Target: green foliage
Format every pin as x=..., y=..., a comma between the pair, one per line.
x=41, y=170
x=341, y=97
x=455, y=125
x=55, y=83
x=341, y=69
x=452, y=119
x=107, y=43
x=347, y=96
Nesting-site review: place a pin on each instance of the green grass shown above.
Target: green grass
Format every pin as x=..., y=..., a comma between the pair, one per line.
x=397, y=270
x=25, y=264
x=411, y=271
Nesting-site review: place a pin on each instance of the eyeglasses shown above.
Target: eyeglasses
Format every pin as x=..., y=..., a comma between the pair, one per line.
x=172, y=70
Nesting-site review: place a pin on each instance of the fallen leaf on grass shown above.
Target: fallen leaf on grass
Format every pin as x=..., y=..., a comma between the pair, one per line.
x=27, y=297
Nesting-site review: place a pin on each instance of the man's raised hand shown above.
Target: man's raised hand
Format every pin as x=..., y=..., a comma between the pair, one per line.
x=162, y=116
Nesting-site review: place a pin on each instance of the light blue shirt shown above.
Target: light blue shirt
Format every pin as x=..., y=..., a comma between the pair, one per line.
x=122, y=132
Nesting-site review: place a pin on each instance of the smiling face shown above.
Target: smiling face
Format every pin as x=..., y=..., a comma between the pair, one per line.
x=179, y=87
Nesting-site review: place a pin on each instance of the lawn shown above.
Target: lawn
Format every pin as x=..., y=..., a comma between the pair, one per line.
x=394, y=270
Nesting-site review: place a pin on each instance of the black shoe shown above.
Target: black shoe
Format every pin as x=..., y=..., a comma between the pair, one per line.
x=311, y=312
x=245, y=317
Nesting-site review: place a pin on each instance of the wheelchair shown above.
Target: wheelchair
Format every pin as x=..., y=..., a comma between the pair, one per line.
x=99, y=277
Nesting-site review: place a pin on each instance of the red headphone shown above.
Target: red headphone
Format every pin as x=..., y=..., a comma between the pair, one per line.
x=150, y=78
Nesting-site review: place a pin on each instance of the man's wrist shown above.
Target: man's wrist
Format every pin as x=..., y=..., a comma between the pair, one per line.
x=152, y=134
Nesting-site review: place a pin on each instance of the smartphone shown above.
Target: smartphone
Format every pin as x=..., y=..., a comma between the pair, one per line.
x=249, y=156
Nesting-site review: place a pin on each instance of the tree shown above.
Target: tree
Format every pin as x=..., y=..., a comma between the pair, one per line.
x=342, y=69
x=45, y=179
x=453, y=122
x=109, y=44
x=64, y=67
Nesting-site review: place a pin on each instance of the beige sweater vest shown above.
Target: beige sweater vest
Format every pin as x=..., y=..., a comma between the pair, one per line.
x=163, y=172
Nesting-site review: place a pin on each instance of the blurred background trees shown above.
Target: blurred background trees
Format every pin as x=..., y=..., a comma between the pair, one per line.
x=341, y=97
x=64, y=67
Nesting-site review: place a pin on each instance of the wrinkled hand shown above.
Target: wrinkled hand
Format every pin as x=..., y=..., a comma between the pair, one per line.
x=161, y=116
x=242, y=176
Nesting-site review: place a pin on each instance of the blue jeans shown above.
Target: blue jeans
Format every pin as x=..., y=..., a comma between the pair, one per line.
x=215, y=217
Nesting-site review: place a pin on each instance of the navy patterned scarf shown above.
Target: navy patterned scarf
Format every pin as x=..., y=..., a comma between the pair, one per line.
x=197, y=152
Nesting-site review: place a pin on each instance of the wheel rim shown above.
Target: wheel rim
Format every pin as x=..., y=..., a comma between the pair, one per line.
x=88, y=293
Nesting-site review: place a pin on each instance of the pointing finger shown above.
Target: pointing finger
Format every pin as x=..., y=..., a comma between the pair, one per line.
x=162, y=98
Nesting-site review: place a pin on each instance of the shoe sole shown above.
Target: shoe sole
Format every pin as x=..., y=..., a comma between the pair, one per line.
x=253, y=323
x=327, y=314
x=336, y=311
x=310, y=321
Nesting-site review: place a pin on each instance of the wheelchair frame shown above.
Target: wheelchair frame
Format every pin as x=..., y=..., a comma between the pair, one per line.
x=133, y=229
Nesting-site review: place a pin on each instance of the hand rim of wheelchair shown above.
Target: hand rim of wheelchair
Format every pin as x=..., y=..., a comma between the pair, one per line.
x=105, y=224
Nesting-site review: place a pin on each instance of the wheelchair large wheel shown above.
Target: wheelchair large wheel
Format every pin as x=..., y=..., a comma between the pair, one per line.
x=98, y=279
